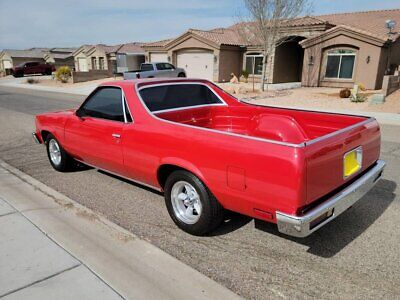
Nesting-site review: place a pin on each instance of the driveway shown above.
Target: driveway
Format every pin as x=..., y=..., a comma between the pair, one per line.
x=356, y=256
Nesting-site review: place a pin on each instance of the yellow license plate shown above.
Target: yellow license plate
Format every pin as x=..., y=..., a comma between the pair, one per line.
x=352, y=162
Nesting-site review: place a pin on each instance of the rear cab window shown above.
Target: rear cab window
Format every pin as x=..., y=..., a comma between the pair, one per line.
x=146, y=67
x=178, y=96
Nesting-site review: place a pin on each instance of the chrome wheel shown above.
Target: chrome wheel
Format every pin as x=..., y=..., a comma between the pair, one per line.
x=186, y=202
x=54, y=151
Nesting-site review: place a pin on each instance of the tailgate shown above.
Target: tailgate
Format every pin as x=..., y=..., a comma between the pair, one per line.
x=325, y=157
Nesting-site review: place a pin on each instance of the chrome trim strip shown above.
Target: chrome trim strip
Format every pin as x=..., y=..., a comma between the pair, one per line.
x=36, y=138
x=208, y=129
x=122, y=99
x=327, y=136
x=184, y=83
x=299, y=226
x=118, y=175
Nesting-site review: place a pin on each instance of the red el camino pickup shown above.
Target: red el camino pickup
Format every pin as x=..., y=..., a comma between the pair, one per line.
x=209, y=152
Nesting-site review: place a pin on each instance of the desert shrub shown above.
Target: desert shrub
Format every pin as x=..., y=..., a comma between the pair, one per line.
x=245, y=75
x=63, y=74
x=361, y=87
x=358, y=98
x=31, y=80
x=345, y=93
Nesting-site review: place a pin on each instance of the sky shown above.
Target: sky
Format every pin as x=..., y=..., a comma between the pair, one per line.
x=69, y=23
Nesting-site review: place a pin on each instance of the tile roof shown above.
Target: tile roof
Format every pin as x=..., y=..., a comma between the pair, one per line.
x=369, y=21
x=33, y=53
x=221, y=36
x=160, y=43
x=131, y=48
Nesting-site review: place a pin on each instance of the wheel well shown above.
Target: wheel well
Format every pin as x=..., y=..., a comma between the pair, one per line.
x=44, y=135
x=164, y=171
x=181, y=73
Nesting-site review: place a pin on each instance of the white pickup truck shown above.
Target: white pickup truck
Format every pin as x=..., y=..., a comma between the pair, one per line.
x=155, y=69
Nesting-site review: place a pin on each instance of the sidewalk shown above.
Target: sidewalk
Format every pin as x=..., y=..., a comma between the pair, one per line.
x=52, y=247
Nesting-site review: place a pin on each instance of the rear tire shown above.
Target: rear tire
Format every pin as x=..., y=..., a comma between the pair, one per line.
x=191, y=205
x=59, y=159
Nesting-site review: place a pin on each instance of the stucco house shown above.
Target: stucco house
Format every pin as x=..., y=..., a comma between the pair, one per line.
x=60, y=57
x=116, y=59
x=10, y=58
x=335, y=50
x=129, y=57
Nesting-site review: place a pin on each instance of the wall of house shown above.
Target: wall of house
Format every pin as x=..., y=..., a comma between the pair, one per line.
x=365, y=70
x=97, y=54
x=229, y=61
x=69, y=62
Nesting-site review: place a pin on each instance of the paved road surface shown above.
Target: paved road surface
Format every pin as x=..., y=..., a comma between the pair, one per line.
x=357, y=256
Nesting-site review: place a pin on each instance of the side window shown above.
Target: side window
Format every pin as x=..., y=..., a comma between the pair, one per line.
x=160, y=66
x=106, y=103
x=169, y=67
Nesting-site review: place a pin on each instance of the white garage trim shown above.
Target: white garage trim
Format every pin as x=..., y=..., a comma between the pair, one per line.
x=197, y=63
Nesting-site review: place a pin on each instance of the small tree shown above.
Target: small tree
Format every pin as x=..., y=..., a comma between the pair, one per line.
x=266, y=17
x=63, y=74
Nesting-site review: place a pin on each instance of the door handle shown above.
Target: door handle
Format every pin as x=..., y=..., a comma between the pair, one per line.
x=116, y=135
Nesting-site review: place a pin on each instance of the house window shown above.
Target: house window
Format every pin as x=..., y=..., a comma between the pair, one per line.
x=340, y=64
x=101, y=63
x=94, y=66
x=254, y=63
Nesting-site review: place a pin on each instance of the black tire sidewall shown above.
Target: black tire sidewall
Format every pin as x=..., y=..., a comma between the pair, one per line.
x=204, y=224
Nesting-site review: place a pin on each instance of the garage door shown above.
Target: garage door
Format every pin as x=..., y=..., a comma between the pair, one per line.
x=7, y=64
x=158, y=57
x=198, y=64
x=82, y=65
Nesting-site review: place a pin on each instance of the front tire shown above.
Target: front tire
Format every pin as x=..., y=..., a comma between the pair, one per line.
x=191, y=205
x=181, y=75
x=59, y=159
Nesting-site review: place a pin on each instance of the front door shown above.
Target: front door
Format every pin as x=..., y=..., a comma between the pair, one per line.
x=94, y=134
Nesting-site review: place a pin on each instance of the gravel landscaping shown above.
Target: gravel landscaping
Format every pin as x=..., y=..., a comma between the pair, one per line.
x=310, y=97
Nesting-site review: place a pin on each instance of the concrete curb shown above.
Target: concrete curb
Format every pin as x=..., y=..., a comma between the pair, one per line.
x=131, y=266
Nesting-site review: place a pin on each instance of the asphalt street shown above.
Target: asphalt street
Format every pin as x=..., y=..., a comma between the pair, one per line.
x=357, y=256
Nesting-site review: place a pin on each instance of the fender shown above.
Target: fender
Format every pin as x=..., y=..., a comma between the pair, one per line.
x=184, y=164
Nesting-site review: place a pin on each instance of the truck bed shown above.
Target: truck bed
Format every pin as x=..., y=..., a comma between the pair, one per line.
x=283, y=125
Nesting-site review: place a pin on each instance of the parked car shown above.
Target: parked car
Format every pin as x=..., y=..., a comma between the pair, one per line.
x=209, y=152
x=33, y=67
x=156, y=69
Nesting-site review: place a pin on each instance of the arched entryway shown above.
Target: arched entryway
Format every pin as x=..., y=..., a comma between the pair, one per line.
x=288, y=60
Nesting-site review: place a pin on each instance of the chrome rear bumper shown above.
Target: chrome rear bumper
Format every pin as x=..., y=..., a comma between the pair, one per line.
x=302, y=226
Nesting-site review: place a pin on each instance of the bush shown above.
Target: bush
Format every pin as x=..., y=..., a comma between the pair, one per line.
x=358, y=98
x=361, y=87
x=32, y=80
x=345, y=93
x=63, y=74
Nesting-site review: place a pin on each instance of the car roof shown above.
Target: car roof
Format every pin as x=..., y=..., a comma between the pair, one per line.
x=133, y=82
